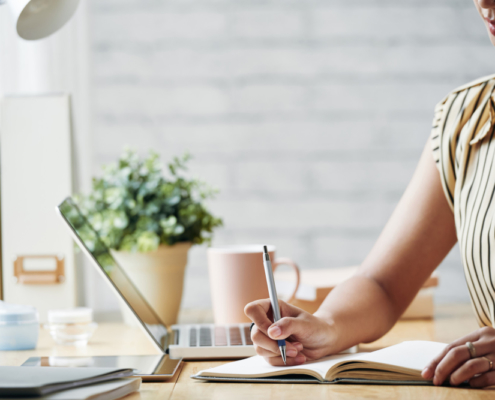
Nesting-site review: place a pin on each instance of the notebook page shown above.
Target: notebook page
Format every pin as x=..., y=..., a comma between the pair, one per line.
x=412, y=355
x=257, y=367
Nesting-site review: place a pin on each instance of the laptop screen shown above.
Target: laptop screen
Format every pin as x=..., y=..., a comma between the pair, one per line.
x=87, y=238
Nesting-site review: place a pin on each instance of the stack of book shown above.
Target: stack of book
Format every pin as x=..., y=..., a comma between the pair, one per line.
x=317, y=283
x=59, y=383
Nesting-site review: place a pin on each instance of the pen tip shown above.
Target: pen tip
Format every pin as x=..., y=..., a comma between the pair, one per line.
x=283, y=354
x=265, y=250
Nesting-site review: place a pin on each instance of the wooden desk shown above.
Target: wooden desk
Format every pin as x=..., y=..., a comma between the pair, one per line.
x=450, y=323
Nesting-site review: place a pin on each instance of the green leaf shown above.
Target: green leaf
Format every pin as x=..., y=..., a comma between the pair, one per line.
x=134, y=206
x=147, y=241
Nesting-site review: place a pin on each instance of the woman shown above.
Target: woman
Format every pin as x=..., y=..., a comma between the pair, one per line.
x=451, y=198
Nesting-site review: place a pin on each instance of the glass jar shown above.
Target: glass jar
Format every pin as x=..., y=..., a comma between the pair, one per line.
x=19, y=327
x=72, y=326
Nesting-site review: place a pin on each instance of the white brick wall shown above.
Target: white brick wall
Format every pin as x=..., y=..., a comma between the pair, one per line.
x=309, y=116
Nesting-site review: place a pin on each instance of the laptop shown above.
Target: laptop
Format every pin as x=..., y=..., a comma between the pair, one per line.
x=191, y=341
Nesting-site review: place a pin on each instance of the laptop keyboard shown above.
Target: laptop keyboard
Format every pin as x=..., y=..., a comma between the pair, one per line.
x=204, y=336
x=193, y=337
x=220, y=336
x=176, y=335
x=235, y=336
x=247, y=336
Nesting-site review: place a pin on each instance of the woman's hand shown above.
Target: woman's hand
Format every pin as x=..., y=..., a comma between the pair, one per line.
x=456, y=362
x=309, y=337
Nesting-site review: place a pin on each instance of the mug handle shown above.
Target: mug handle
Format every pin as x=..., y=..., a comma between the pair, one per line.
x=288, y=261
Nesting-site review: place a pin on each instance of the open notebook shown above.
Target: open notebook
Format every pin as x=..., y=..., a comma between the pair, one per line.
x=399, y=364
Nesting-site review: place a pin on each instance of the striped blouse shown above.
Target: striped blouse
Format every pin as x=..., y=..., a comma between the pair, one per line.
x=463, y=146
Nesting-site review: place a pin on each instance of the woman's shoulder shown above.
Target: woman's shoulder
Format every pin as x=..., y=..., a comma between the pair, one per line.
x=470, y=90
x=477, y=82
x=453, y=113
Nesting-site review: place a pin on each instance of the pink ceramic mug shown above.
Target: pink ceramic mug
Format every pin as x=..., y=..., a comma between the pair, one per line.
x=237, y=277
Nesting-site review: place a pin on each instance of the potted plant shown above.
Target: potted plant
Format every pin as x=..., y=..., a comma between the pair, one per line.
x=149, y=221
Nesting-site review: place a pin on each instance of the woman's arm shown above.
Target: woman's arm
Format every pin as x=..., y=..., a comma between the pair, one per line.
x=419, y=234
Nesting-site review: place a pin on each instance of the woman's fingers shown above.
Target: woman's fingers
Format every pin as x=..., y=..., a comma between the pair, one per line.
x=484, y=380
x=458, y=356
x=452, y=360
x=261, y=340
x=288, y=326
x=457, y=362
x=469, y=369
x=265, y=346
x=429, y=371
x=258, y=311
x=278, y=362
x=270, y=354
x=265, y=333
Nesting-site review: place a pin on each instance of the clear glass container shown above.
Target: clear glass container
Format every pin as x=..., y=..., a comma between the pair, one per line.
x=19, y=327
x=71, y=327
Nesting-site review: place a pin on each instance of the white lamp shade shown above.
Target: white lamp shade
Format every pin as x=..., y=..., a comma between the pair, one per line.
x=37, y=19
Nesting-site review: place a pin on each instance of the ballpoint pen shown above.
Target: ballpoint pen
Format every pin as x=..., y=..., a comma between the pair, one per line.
x=272, y=290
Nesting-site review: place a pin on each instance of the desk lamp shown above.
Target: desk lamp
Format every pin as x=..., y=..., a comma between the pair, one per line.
x=37, y=19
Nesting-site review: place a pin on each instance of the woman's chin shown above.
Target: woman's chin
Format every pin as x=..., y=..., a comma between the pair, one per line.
x=492, y=38
x=490, y=28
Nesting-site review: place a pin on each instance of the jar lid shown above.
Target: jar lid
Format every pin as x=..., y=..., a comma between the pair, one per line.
x=17, y=313
x=79, y=315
